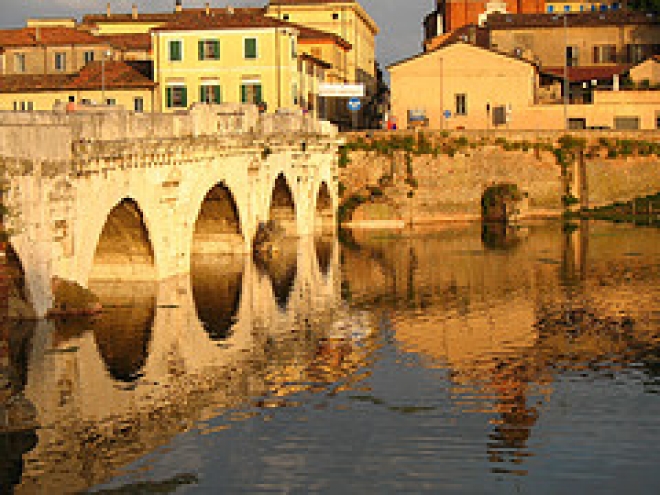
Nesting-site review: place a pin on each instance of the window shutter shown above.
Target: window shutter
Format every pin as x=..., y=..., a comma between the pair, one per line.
x=201, y=50
x=243, y=93
x=168, y=97
x=202, y=94
x=184, y=97
x=257, y=93
x=216, y=94
x=250, y=48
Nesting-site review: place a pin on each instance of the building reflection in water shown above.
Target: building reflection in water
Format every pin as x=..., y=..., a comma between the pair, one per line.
x=281, y=266
x=217, y=284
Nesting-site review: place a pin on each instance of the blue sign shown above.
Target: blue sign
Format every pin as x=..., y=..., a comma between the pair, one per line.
x=447, y=114
x=354, y=104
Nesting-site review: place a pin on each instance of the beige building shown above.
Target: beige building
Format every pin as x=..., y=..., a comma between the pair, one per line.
x=48, y=49
x=613, y=38
x=462, y=86
x=649, y=70
x=125, y=84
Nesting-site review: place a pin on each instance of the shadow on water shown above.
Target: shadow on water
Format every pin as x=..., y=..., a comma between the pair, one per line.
x=17, y=415
x=324, y=247
x=499, y=235
x=123, y=330
x=282, y=268
x=217, y=284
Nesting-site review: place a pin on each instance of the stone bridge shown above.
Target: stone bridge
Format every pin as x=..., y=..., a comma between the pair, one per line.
x=118, y=196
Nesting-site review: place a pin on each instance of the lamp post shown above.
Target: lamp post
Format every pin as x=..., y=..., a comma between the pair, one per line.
x=107, y=53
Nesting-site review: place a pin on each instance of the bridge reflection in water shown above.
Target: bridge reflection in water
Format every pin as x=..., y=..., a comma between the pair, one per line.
x=162, y=356
x=491, y=328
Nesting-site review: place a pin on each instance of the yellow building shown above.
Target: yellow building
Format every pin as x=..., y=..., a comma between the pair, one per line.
x=125, y=84
x=228, y=58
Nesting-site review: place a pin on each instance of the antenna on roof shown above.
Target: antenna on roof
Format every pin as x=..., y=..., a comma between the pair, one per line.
x=108, y=12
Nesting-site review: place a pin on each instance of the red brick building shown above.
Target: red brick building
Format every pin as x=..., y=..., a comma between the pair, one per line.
x=453, y=14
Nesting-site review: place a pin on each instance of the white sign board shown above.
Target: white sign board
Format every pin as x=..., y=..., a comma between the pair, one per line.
x=336, y=90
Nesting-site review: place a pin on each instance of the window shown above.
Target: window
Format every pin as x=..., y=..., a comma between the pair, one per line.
x=251, y=93
x=60, y=61
x=72, y=99
x=551, y=8
x=637, y=53
x=626, y=123
x=176, y=97
x=285, y=17
x=89, y=57
x=294, y=93
x=138, y=104
x=250, y=48
x=567, y=8
x=19, y=62
x=210, y=93
x=175, y=50
x=209, y=50
x=335, y=16
x=605, y=54
x=461, y=104
x=657, y=120
x=294, y=48
x=572, y=56
x=110, y=102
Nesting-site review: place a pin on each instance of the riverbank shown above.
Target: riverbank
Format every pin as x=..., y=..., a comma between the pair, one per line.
x=409, y=178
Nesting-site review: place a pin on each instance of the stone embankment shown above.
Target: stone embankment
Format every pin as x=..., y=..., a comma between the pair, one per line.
x=394, y=179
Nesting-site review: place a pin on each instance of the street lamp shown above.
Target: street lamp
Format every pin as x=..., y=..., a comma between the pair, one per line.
x=106, y=53
x=566, y=85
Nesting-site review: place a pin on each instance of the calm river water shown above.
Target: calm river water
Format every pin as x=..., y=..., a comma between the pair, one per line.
x=455, y=360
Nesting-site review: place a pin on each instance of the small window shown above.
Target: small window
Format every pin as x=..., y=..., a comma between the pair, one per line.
x=110, y=102
x=335, y=16
x=567, y=8
x=209, y=50
x=551, y=8
x=250, y=48
x=30, y=106
x=19, y=60
x=72, y=99
x=294, y=93
x=89, y=57
x=605, y=54
x=138, y=104
x=60, y=61
x=251, y=93
x=572, y=56
x=461, y=104
x=294, y=48
x=176, y=51
x=15, y=106
x=285, y=17
x=176, y=97
x=210, y=93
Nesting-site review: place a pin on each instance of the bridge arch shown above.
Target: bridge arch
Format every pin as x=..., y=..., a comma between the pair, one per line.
x=218, y=227
x=123, y=250
x=324, y=210
x=282, y=207
x=16, y=279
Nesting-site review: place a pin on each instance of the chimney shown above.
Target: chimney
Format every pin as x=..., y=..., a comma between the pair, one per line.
x=230, y=9
x=108, y=12
x=135, y=11
x=37, y=34
x=178, y=7
x=208, y=9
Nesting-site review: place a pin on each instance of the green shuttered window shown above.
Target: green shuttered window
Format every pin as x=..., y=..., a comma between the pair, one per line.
x=176, y=97
x=251, y=93
x=210, y=94
x=176, y=51
x=209, y=49
x=250, y=48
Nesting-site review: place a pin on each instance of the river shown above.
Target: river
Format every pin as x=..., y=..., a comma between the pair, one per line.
x=458, y=359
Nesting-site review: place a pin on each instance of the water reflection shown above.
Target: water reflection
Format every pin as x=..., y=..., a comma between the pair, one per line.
x=281, y=267
x=217, y=286
x=123, y=331
x=324, y=247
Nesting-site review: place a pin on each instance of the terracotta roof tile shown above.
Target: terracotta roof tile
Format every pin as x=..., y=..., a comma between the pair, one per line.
x=118, y=75
x=165, y=16
x=141, y=41
x=222, y=21
x=47, y=36
x=307, y=2
x=607, y=18
x=586, y=73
